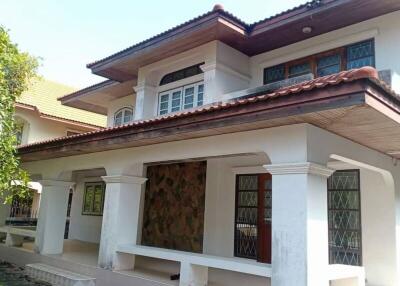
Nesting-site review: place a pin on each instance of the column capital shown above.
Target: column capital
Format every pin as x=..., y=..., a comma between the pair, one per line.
x=55, y=183
x=299, y=168
x=142, y=87
x=124, y=179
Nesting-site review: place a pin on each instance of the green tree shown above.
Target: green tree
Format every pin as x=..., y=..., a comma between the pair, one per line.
x=16, y=70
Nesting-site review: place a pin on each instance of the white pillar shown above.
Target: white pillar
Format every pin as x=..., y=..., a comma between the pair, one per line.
x=299, y=224
x=193, y=275
x=146, y=101
x=121, y=220
x=4, y=212
x=52, y=217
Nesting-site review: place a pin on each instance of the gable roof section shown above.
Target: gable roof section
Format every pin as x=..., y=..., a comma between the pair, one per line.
x=344, y=89
x=273, y=32
x=42, y=97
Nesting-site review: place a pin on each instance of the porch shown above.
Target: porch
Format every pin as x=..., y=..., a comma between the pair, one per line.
x=126, y=230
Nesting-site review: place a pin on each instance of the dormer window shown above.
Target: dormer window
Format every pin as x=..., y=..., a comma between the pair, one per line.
x=123, y=116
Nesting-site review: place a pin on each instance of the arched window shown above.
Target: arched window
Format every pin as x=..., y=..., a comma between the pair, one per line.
x=123, y=116
x=181, y=74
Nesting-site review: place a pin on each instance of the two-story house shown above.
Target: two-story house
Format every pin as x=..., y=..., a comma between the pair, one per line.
x=235, y=154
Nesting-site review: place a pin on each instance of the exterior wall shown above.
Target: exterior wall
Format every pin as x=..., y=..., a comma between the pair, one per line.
x=39, y=129
x=83, y=227
x=117, y=104
x=383, y=29
x=377, y=218
x=296, y=143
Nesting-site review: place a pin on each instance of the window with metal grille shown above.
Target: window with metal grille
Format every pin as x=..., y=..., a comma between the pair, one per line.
x=344, y=218
x=326, y=63
x=246, y=216
x=360, y=55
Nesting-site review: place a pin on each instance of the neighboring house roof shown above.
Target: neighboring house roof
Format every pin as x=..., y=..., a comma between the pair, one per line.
x=310, y=96
x=42, y=97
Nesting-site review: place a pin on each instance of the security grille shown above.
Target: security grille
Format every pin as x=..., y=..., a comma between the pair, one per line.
x=344, y=218
x=246, y=216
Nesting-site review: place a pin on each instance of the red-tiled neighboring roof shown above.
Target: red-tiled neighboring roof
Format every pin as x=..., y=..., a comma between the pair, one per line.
x=227, y=16
x=318, y=83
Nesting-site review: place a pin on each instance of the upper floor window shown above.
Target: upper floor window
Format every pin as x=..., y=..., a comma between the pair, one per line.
x=181, y=74
x=123, y=116
x=184, y=97
x=353, y=56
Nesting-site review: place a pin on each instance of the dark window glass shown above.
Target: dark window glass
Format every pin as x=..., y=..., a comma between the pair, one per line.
x=299, y=69
x=360, y=55
x=181, y=74
x=344, y=218
x=328, y=65
x=274, y=74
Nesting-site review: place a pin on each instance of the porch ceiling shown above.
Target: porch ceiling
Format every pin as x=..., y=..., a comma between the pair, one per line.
x=362, y=110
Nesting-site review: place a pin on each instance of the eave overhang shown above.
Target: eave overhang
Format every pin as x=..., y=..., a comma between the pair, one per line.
x=96, y=98
x=251, y=39
x=323, y=102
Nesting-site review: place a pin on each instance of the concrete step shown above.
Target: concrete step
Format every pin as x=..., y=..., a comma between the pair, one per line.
x=57, y=276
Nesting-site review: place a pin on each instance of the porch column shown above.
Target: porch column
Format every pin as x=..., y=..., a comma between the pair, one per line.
x=52, y=216
x=121, y=220
x=299, y=224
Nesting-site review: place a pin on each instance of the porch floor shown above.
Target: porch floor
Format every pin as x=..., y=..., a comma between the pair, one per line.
x=76, y=251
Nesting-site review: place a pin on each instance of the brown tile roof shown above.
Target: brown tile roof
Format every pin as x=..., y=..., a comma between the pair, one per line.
x=227, y=16
x=318, y=83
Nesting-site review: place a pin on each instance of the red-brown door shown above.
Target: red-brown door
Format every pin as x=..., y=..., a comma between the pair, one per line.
x=264, y=218
x=253, y=217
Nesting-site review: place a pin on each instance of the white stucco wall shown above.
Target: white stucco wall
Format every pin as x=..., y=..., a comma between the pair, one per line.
x=378, y=219
x=117, y=104
x=83, y=227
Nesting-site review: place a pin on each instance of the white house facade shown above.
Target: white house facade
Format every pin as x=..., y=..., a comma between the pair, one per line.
x=235, y=154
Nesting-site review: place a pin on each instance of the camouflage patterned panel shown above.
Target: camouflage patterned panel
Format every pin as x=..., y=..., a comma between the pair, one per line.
x=174, y=206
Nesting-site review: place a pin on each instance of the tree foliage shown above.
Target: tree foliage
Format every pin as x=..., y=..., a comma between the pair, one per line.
x=16, y=70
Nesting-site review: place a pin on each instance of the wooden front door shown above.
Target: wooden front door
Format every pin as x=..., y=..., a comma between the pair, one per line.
x=253, y=217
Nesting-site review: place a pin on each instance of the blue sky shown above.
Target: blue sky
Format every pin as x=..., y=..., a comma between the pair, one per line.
x=68, y=34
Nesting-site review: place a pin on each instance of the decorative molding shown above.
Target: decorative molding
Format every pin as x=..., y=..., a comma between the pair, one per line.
x=227, y=69
x=124, y=179
x=249, y=170
x=299, y=168
x=143, y=87
x=56, y=183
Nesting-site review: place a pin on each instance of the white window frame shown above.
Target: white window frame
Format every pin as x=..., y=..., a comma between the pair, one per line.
x=122, y=111
x=182, y=90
